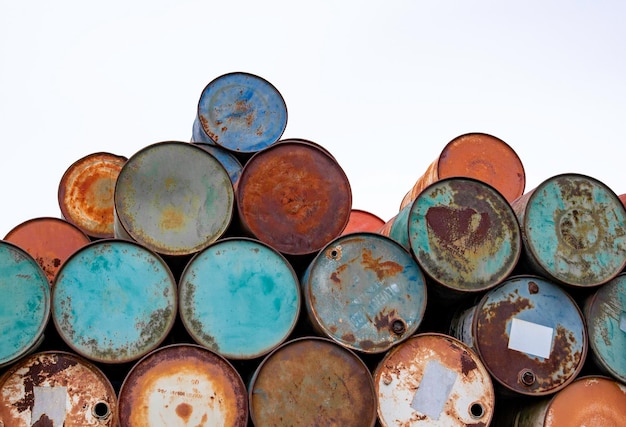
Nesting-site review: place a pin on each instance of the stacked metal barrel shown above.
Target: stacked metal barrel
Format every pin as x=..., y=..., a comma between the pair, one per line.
x=228, y=281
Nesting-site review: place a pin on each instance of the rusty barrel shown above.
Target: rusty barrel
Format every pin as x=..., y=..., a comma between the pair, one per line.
x=85, y=193
x=293, y=196
x=183, y=385
x=56, y=388
x=529, y=333
x=605, y=314
x=230, y=162
x=113, y=301
x=433, y=379
x=24, y=305
x=241, y=112
x=50, y=241
x=573, y=230
x=312, y=381
x=475, y=155
x=362, y=220
x=239, y=297
x=174, y=198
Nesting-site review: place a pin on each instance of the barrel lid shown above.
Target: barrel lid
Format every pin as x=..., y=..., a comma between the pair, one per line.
x=58, y=387
x=113, y=301
x=85, y=193
x=50, y=241
x=433, y=379
x=25, y=307
x=230, y=162
x=312, y=381
x=362, y=220
x=183, y=384
x=239, y=297
x=241, y=112
x=174, y=198
x=464, y=234
x=531, y=335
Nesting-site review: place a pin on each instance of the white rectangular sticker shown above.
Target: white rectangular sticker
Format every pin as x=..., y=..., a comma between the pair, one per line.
x=531, y=338
x=622, y=321
x=434, y=390
x=50, y=402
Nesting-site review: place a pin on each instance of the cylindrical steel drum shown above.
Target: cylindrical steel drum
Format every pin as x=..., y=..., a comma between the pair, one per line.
x=50, y=241
x=56, y=388
x=241, y=112
x=529, y=333
x=312, y=381
x=230, y=162
x=174, y=198
x=114, y=301
x=85, y=193
x=364, y=291
x=294, y=196
x=433, y=380
x=183, y=385
x=574, y=230
x=361, y=220
x=475, y=155
x=239, y=298
x=24, y=305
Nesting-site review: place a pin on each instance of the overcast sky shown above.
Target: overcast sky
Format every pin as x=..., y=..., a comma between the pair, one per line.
x=384, y=86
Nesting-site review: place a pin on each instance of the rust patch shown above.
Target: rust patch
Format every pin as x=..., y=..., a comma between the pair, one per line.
x=383, y=320
x=381, y=269
x=533, y=288
x=172, y=219
x=184, y=410
x=348, y=337
x=458, y=228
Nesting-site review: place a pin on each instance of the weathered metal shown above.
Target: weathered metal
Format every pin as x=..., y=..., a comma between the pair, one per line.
x=56, y=388
x=294, y=197
x=475, y=155
x=85, y=193
x=362, y=220
x=239, y=297
x=573, y=230
x=230, y=162
x=113, y=301
x=365, y=292
x=312, y=381
x=433, y=379
x=24, y=305
x=174, y=198
x=50, y=241
x=241, y=112
x=529, y=333
x=183, y=385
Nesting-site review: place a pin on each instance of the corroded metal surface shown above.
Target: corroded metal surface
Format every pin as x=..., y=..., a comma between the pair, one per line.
x=312, y=382
x=183, y=385
x=239, y=298
x=49, y=240
x=433, y=380
x=574, y=230
x=56, y=389
x=294, y=197
x=230, y=162
x=361, y=220
x=365, y=292
x=85, y=193
x=113, y=301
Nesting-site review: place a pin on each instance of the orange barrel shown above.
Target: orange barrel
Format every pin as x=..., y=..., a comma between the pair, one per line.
x=114, y=301
x=475, y=155
x=293, y=196
x=85, y=193
x=433, y=379
x=312, y=381
x=24, y=305
x=183, y=385
x=365, y=292
x=361, y=220
x=622, y=198
x=573, y=230
x=529, y=333
x=56, y=388
x=173, y=197
x=49, y=240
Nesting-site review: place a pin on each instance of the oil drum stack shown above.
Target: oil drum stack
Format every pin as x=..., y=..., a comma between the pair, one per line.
x=228, y=281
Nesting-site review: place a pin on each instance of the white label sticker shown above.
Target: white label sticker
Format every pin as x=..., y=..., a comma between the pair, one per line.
x=50, y=402
x=434, y=389
x=622, y=321
x=531, y=338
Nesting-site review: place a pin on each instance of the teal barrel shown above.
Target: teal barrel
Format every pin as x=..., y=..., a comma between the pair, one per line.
x=113, y=301
x=25, y=303
x=239, y=297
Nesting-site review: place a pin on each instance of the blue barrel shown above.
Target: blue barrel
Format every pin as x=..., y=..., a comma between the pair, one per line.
x=113, y=301
x=239, y=297
x=230, y=162
x=364, y=291
x=241, y=112
x=24, y=305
